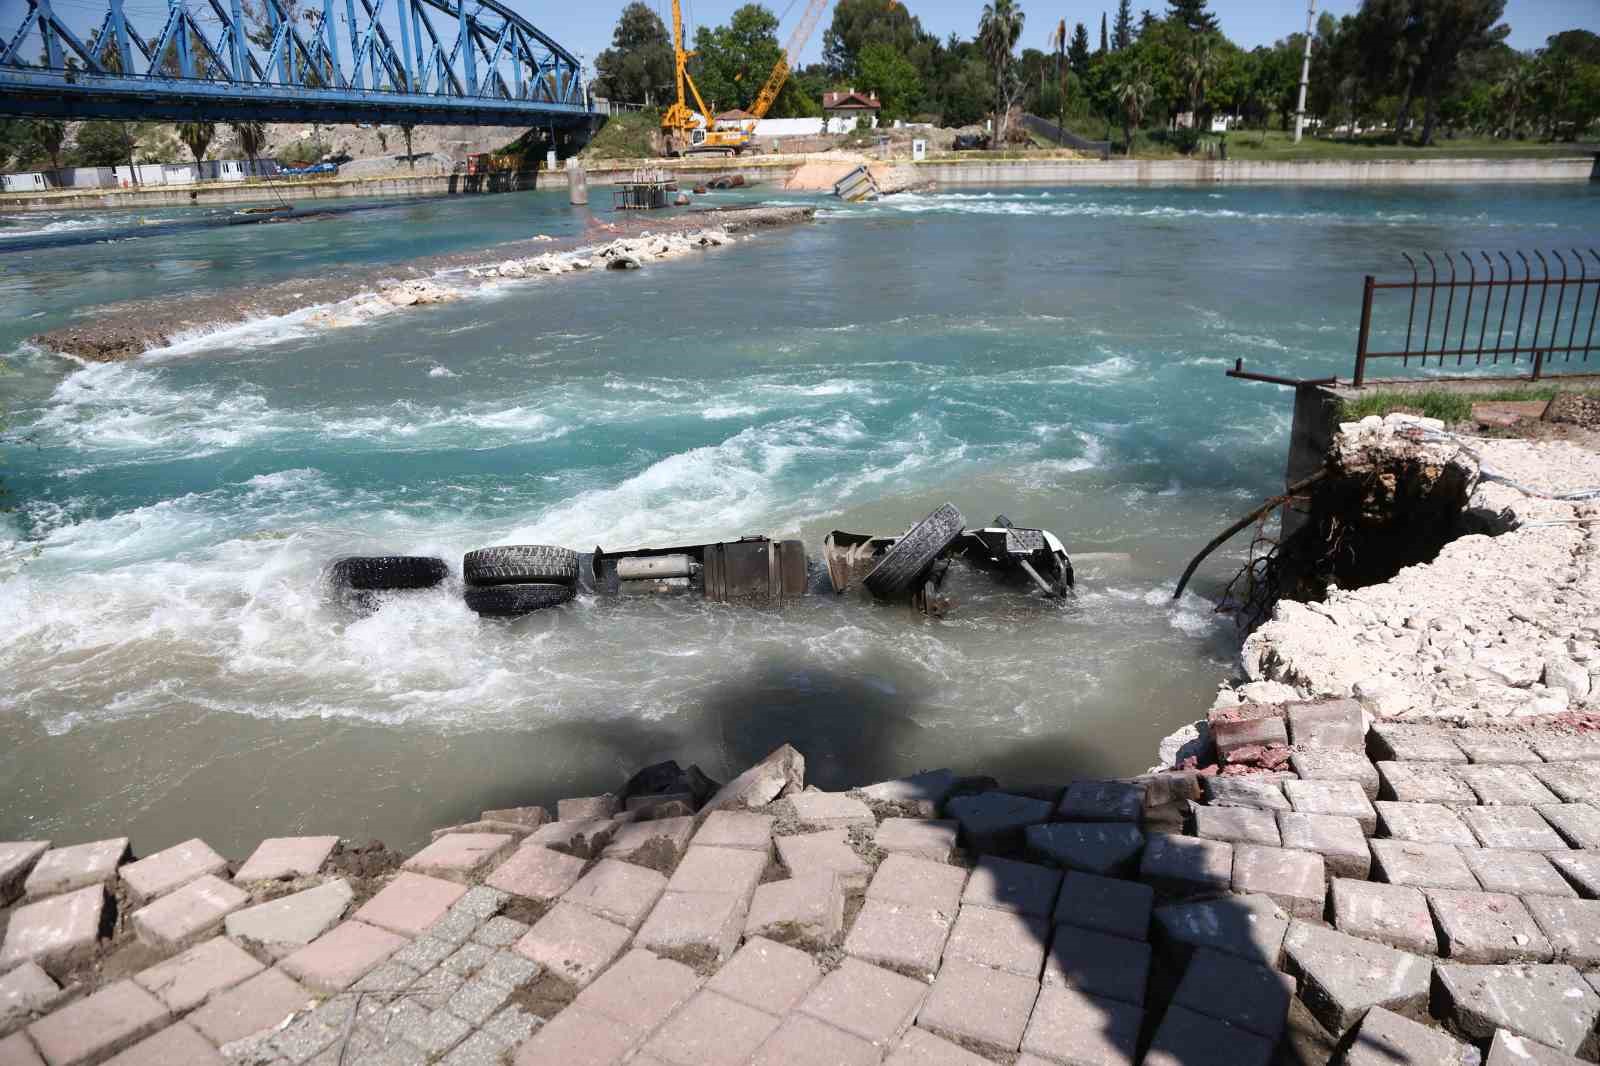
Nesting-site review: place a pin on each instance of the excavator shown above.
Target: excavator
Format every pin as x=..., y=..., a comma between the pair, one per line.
x=685, y=134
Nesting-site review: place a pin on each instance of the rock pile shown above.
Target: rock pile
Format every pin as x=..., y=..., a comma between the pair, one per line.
x=622, y=253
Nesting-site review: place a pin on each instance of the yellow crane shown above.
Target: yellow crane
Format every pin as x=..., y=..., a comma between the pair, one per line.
x=685, y=134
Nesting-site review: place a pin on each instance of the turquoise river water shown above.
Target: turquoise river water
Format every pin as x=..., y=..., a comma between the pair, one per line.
x=173, y=668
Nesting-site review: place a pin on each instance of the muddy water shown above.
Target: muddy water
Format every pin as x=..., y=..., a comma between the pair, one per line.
x=172, y=666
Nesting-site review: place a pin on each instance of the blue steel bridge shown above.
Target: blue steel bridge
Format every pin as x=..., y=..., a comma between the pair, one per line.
x=467, y=62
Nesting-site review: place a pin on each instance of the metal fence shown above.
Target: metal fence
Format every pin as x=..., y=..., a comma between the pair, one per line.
x=1065, y=137
x=1529, y=313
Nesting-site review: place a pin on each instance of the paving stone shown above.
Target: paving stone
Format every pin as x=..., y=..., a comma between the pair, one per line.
x=866, y=1001
x=618, y=891
x=1503, y=786
x=979, y=1007
x=1508, y=1049
x=1098, y=964
x=1185, y=865
x=256, y=1005
x=925, y=883
x=804, y=1041
x=1295, y=880
x=1109, y=848
x=767, y=975
x=335, y=960
x=583, y=837
x=1004, y=940
x=1573, y=782
x=921, y=1048
x=1014, y=886
x=391, y=978
x=170, y=869
x=1425, y=823
x=1397, y=742
x=185, y=982
x=175, y=1044
x=578, y=1037
x=831, y=810
x=467, y=959
x=925, y=792
x=1404, y=862
x=1245, y=994
x=1186, y=1038
x=509, y=969
x=1337, y=724
x=1235, y=825
x=645, y=804
x=640, y=990
x=806, y=911
x=1396, y=915
x=528, y=817
x=698, y=927
x=1384, y=1039
x=995, y=821
x=1567, y=747
x=922, y=838
x=410, y=903
x=1101, y=801
x=1423, y=782
x=482, y=902
x=1105, y=904
x=1231, y=736
x=1512, y=827
x=461, y=856
x=188, y=914
x=1486, y=927
x=1571, y=925
x=1491, y=746
x=731, y=870
x=66, y=869
x=1242, y=791
x=1251, y=927
x=736, y=829
x=520, y=832
x=1549, y=1003
x=513, y=1025
x=573, y=943
x=603, y=806
x=25, y=992
x=17, y=1050
x=711, y=1030
x=1327, y=765
x=1075, y=1029
x=479, y=1049
x=537, y=872
x=630, y=840
x=17, y=858
x=1342, y=976
x=500, y=932
x=282, y=858
x=1576, y=823
x=1581, y=869
x=1342, y=798
x=1516, y=873
x=285, y=925
x=1340, y=841
x=96, y=1027
x=57, y=933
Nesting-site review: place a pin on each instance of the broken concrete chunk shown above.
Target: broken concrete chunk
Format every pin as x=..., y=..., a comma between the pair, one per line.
x=283, y=926
x=782, y=771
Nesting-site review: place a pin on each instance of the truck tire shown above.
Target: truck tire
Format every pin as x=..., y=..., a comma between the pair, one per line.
x=897, y=572
x=512, y=601
x=378, y=573
x=515, y=564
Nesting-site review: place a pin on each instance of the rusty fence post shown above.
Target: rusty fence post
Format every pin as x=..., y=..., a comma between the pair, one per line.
x=1366, y=326
x=1538, y=364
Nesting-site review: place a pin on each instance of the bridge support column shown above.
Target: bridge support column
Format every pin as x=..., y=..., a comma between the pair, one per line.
x=577, y=182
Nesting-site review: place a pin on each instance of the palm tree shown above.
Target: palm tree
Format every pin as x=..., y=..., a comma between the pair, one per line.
x=1132, y=93
x=252, y=138
x=1058, y=42
x=197, y=136
x=998, y=31
x=1515, y=91
x=1199, y=64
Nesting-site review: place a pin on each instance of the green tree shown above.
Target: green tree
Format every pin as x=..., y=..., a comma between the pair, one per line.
x=46, y=135
x=998, y=31
x=638, y=67
x=1122, y=29
x=105, y=144
x=1199, y=65
x=858, y=23
x=197, y=136
x=888, y=74
x=734, y=61
x=1078, y=51
x=252, y=137
x=1133, y=92
x=1192, y=15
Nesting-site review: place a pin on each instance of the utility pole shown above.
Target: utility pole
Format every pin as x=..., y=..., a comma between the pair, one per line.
x=1305, y=72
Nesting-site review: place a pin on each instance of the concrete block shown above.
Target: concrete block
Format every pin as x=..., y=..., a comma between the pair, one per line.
x=978, y=1007
x=640, y=990
x=821, y=853
x=660, y=839
x=995, y=821
x=285, y=925
x=17, y=1050
x=1384, y=1038
x=1237, y=825
x=1186, y=1038
x=731, y=870
x=700, y=928
x=1229, y=989
x=1107, y=848
x=1573, y=782
x=924, y=883
x=17, y=858
x=782, y=771
x=1231, y=736
x=831, y=810
x=1345, y=799
x=1327, y=765
x=1398, y=742
x=536, y=872
x=1396, y=915
x=1516, y=873
x=618, y=891
x=736, y=829
x=805, y=911
x=1101, y=801
x=1013, y=886
x=507, y=969
x=924, y=793
x=866, y=1001
x=1571, y=925
x=1295, y=880
x=1105, y=905
x=1075, y=1029
x=922, y=838
x=1550, y=1004
x=1245, y=791
x=410, y=903
x=1491, y=746
x=175, y=1044
x=767, y=975
x=185, y=982
x=1486, y=927
x=804, y=1041
x=1512, y=827
x=585, y=807
x=1003, y=940
x=461, y=856
x=1423, y=782
x=66, y=869
x=1336, y=724
x=1340, y=841
x=481, y=902
x=340, y=957
x=572, y=943
x=170, y=869
x=1565, y=747
x=187, y=915
x=1576, y=823
x=1505, y=786
x=1581, y=869
x=902, y=937
x=96, y=1027
x=1342, y=977
x=1098, y=964
x=527, y=817
x=25, y=993
x=285, y=858
x=921, y=1048
x=256, y=1005
x=711, y=1030
x=1251, y=927
x=1425, y=823
x=583, y=837
x=58, y=933
x=578, y=1037
x=1404, y=862
x=1184, y=865
x=1508, y=1049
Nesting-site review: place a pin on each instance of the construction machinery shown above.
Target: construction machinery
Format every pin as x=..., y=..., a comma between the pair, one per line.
x=687, y=133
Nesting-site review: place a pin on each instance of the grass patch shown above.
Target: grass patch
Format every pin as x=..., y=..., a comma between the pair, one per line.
x=1275, y=144
x=1444, y=404
x=627, y=135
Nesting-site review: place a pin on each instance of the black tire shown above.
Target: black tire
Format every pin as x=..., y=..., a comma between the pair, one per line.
x=512, y=601
x=902, y=565
x=517, y=564
x=379, y=573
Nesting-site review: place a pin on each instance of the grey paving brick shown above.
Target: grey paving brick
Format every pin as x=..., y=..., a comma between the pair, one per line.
x=1186, y=864
x=903, y=937
x=1346, y=799
x=922, y=838
x=479, y=1049
x=1075, y=1029
x=1564, y=747
x=1493, y=746
x=434, y=988
x=907, y=879
x=467, y=959
x=1581, y=869
x=1186, y=1038
x=1340, y=841
x=1337, y=724
x=1486, y=927
x=1404, y=862
x=1576, y=823
x=1341, y=977
x=423, y=953
x=1105, y=904
x=478, y=1000
x=1101, y=801
x=1324, y=765
x=1014, y=886
x=1384, y=1038
x=1508, y=1049
x=1396, y=915
x=1004, y=940
x=921, y=1048
x=1547, y=1003
x=1423, y=782
x=1098, y=964
x=831, y=810
x=1505, y=786
x=1237, y=825
x=994, y=821
x=391, y=977
x=1517, y=873
x=1398, y=742
x=513, y=1025
x=1573, y=782
x=1512, y=827
x=1245, y=791
x=1425, y=823
x=1571, y=925
x=500, y=932
x=1251, y=927
x=767, y=975
x=1295, y=880
x=510, y=969
x=736, y=829
x=1245, y=994
x=866, y=1001
x=1109, y=848
x=979, y=1007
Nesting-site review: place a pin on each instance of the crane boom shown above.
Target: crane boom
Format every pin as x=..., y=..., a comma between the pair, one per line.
x=791, y=54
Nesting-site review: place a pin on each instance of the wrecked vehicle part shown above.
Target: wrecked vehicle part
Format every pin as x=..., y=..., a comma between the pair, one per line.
x=1037, y=554
x=751, y=570
x=910, y=556
x=383, y=573
x=513, y=601
x=514, y=564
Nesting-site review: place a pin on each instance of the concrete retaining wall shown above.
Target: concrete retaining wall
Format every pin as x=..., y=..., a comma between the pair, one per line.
x=1182, y=171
